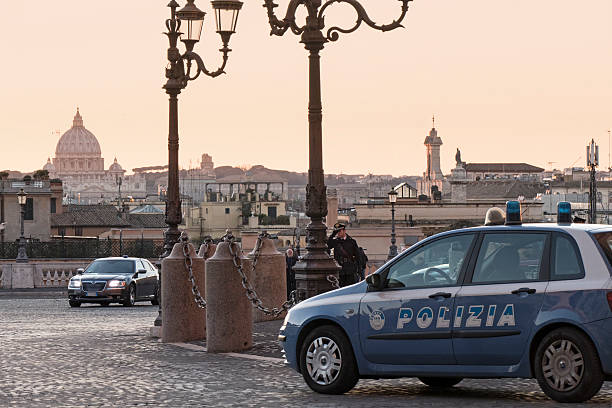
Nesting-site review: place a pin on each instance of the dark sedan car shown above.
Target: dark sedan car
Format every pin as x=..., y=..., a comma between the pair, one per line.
x=115, y=280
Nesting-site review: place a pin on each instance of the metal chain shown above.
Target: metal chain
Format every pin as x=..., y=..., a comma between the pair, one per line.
x=197, y=296
x=334, y=281
x=207, y=243
x=250, y=291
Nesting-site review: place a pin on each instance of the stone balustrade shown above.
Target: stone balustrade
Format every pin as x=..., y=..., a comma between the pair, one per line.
x=39, y=274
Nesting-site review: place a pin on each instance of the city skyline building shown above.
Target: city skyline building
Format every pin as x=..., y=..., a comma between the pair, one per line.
x=433, y=175
x=78, y=162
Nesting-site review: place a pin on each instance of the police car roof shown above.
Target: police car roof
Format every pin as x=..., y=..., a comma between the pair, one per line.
x=549, y=226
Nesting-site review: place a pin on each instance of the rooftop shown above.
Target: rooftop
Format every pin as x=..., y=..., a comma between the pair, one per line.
x=502, y=168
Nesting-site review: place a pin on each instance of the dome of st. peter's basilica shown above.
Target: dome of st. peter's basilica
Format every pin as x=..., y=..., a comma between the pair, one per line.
x=78, y=141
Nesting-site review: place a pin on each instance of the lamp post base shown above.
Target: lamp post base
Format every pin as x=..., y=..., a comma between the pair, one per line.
x=312, y=271
x=392, y=252
x=22, y=256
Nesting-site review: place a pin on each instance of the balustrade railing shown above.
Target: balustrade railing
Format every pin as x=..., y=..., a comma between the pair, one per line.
x=84, y=249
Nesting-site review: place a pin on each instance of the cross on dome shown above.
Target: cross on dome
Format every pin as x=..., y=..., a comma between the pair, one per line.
x=78, y=120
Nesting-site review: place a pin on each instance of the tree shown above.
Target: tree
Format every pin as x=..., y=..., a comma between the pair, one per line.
x=3, y=175
x=41, y=175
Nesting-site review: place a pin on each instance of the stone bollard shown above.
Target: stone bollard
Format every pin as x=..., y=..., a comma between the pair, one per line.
x=228, y=313
x=269, y=279
x=183, y=319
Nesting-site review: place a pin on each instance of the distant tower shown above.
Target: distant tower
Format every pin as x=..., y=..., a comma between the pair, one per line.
x=432, y=146
x=207, y=167
x=433, y=174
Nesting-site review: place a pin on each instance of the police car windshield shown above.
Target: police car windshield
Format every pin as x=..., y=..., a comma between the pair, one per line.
x=604, y=239
x=111, y=267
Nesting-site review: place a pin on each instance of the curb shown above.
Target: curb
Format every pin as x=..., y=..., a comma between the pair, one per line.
x=35, y=293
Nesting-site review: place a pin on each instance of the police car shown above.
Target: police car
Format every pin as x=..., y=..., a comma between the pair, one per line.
x=512, y=300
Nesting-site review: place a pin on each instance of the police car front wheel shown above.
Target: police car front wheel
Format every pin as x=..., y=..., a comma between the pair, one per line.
x=327, y=362
x=567, y=366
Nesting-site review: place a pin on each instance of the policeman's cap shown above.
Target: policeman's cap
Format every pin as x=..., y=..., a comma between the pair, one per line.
x=495, y=216
x=339, y=226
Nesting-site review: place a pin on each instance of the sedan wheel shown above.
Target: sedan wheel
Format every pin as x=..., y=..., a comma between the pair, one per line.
x=130, y=297
x=74, y=303
x=327, y=362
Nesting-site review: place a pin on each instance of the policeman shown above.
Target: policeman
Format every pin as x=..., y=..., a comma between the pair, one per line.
x=346, y=253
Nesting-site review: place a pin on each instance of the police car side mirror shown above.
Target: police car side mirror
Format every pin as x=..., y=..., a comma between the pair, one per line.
x=374, y=281
x=80, y=271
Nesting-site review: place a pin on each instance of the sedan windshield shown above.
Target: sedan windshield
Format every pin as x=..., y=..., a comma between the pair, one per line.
x=111, y=266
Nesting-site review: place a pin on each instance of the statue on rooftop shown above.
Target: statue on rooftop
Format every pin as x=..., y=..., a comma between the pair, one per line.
x=458, y=159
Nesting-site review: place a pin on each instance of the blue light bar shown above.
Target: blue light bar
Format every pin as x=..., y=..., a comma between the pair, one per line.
x=564, y=212
x=513, y=213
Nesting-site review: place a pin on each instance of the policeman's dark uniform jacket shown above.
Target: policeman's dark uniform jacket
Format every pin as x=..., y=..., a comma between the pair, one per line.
x=346, y=253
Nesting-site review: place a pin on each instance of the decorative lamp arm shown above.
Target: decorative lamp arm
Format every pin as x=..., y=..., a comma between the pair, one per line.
x=279, y=27
x=201, y=68
x=362, y=16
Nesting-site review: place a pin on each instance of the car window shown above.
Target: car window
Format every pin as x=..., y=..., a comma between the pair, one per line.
x=510, y=257
x=149, y=264
x=567, y=263
x=604, y=239
x=437, y=263
x=111, y=266
x=139, y=265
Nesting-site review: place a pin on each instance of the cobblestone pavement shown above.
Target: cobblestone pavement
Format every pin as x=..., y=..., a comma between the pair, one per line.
x=52, y=355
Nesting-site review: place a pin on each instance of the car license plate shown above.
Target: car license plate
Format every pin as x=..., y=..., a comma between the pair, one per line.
x=91, y=294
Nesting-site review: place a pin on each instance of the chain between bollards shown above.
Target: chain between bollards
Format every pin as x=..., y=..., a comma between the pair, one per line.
x=197, y=296
x=334, y=281
x=251, y=294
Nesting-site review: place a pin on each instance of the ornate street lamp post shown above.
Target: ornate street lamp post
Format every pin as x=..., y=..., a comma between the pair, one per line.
x=392, y=248
x=314, y=268
x=22, y=256
x=188, y=22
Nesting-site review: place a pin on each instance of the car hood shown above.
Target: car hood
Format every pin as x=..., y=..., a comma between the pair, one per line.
x=357, y=288
x=102, y=276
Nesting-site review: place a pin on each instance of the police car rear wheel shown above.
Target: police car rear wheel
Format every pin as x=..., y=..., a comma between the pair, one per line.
x=567, y=366
x=327, y=362
x=440, y=382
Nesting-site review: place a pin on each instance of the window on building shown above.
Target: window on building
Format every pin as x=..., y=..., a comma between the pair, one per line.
x=78, y=231
x=61, y=231
x=29, y=209
x=227, y=210
x=53, y=205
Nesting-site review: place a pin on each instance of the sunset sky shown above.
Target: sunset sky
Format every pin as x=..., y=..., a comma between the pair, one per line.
x=508, y=81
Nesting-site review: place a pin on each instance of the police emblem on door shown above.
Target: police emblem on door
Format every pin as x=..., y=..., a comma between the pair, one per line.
x=377, y=320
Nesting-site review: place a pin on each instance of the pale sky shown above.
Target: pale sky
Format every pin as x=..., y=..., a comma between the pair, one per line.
x=512, y=81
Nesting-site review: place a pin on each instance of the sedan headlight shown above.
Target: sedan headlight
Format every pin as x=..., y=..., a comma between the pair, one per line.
x=74, y=283
x=116, y=284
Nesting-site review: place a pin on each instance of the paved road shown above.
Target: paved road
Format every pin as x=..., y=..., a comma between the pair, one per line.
x=52, y=355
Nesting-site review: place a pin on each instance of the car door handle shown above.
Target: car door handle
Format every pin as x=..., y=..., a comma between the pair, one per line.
x=440, y=294
x=529, y=291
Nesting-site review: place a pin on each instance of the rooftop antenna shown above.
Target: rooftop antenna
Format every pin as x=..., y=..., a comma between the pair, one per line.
x=608, y=152
x=433, y=121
